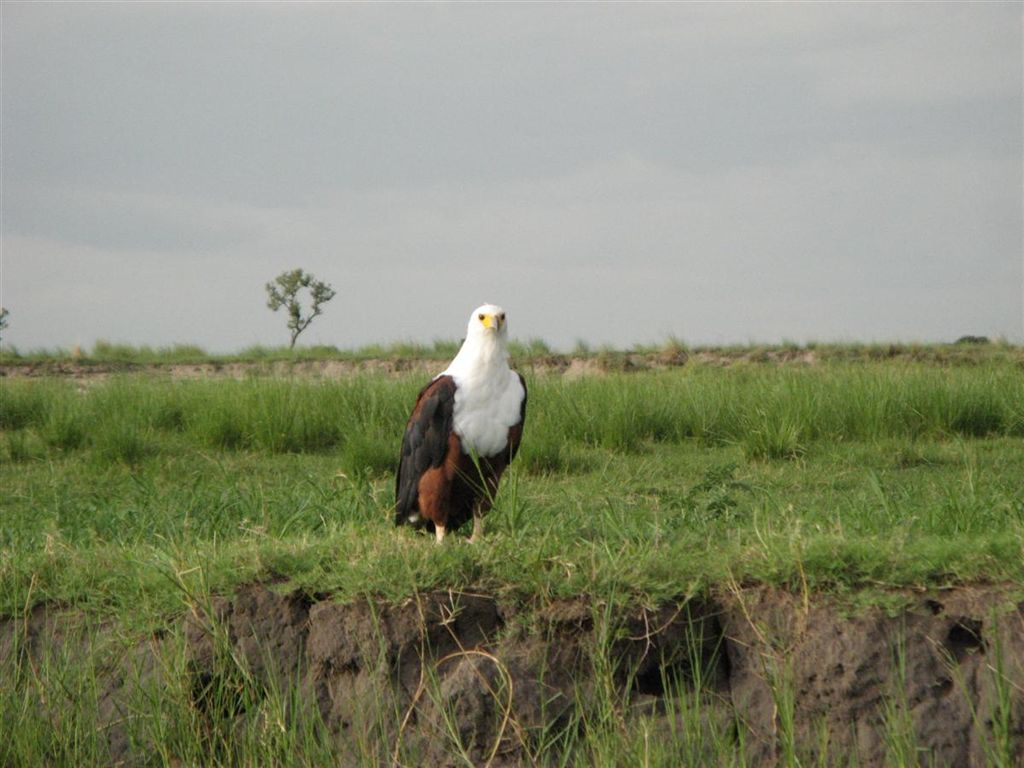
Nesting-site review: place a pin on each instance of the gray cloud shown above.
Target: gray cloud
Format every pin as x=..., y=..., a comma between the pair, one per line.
x=608, y=172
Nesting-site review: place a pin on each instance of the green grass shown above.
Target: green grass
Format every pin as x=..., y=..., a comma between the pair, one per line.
x=835, y=476
x=132, y=498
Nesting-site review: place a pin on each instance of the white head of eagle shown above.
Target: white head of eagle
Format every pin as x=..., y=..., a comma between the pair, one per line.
x=464, y=431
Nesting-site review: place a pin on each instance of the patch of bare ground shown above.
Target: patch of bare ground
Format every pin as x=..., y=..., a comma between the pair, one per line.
x=571, y=365
x=325, y=369
x=780, y=671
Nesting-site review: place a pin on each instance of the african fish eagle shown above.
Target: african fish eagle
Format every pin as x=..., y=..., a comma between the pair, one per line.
x=463, y=432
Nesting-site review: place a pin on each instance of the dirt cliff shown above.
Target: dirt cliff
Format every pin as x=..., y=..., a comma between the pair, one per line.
x=777, y=672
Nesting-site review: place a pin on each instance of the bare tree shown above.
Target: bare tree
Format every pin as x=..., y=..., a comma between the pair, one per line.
x=284, y=290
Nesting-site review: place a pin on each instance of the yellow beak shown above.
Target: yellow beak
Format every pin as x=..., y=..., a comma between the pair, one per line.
x=490, y=321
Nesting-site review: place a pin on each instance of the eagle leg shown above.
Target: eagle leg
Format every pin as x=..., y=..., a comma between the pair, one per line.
x=439, y=533
x=478, y=525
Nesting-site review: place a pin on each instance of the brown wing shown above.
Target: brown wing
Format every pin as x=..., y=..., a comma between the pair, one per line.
x=424, y=445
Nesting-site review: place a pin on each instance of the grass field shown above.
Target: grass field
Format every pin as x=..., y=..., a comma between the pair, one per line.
x=833, y=476
x=123, y=496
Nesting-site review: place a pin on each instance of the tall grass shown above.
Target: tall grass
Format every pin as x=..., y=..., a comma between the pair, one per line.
x=131, y=417
x=813, y=476
x=778, y=412
x=770, y=412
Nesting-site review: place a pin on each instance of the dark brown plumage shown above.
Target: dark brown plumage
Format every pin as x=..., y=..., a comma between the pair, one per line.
x=464, y=431
x=438, y=482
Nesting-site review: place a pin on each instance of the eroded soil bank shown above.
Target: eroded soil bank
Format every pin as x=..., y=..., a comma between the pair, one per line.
x=572, y=366
x=944, y=671
x=545, y=363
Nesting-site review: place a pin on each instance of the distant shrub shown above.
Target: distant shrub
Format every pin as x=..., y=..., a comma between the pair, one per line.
x=410, y=350
x=181, y=353
x=612, y=360
x=256, y=352
x=285, y=291
x=531, y=348
x=675, y=344
x=581, y=349
x=105, y=350
x=445, y=347
x=321, y=352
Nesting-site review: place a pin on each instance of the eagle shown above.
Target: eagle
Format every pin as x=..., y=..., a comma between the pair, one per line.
x=463, y=432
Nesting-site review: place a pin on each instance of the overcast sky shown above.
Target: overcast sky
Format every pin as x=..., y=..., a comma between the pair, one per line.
x=614, y=173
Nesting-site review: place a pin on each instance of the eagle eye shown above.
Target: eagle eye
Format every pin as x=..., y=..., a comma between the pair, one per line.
x=480, y=318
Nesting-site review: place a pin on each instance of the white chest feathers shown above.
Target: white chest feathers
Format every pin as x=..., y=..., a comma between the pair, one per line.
x=485, y=408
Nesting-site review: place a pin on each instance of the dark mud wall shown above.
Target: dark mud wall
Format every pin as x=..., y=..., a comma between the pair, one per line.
x=939, y=663
x=781, y=672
